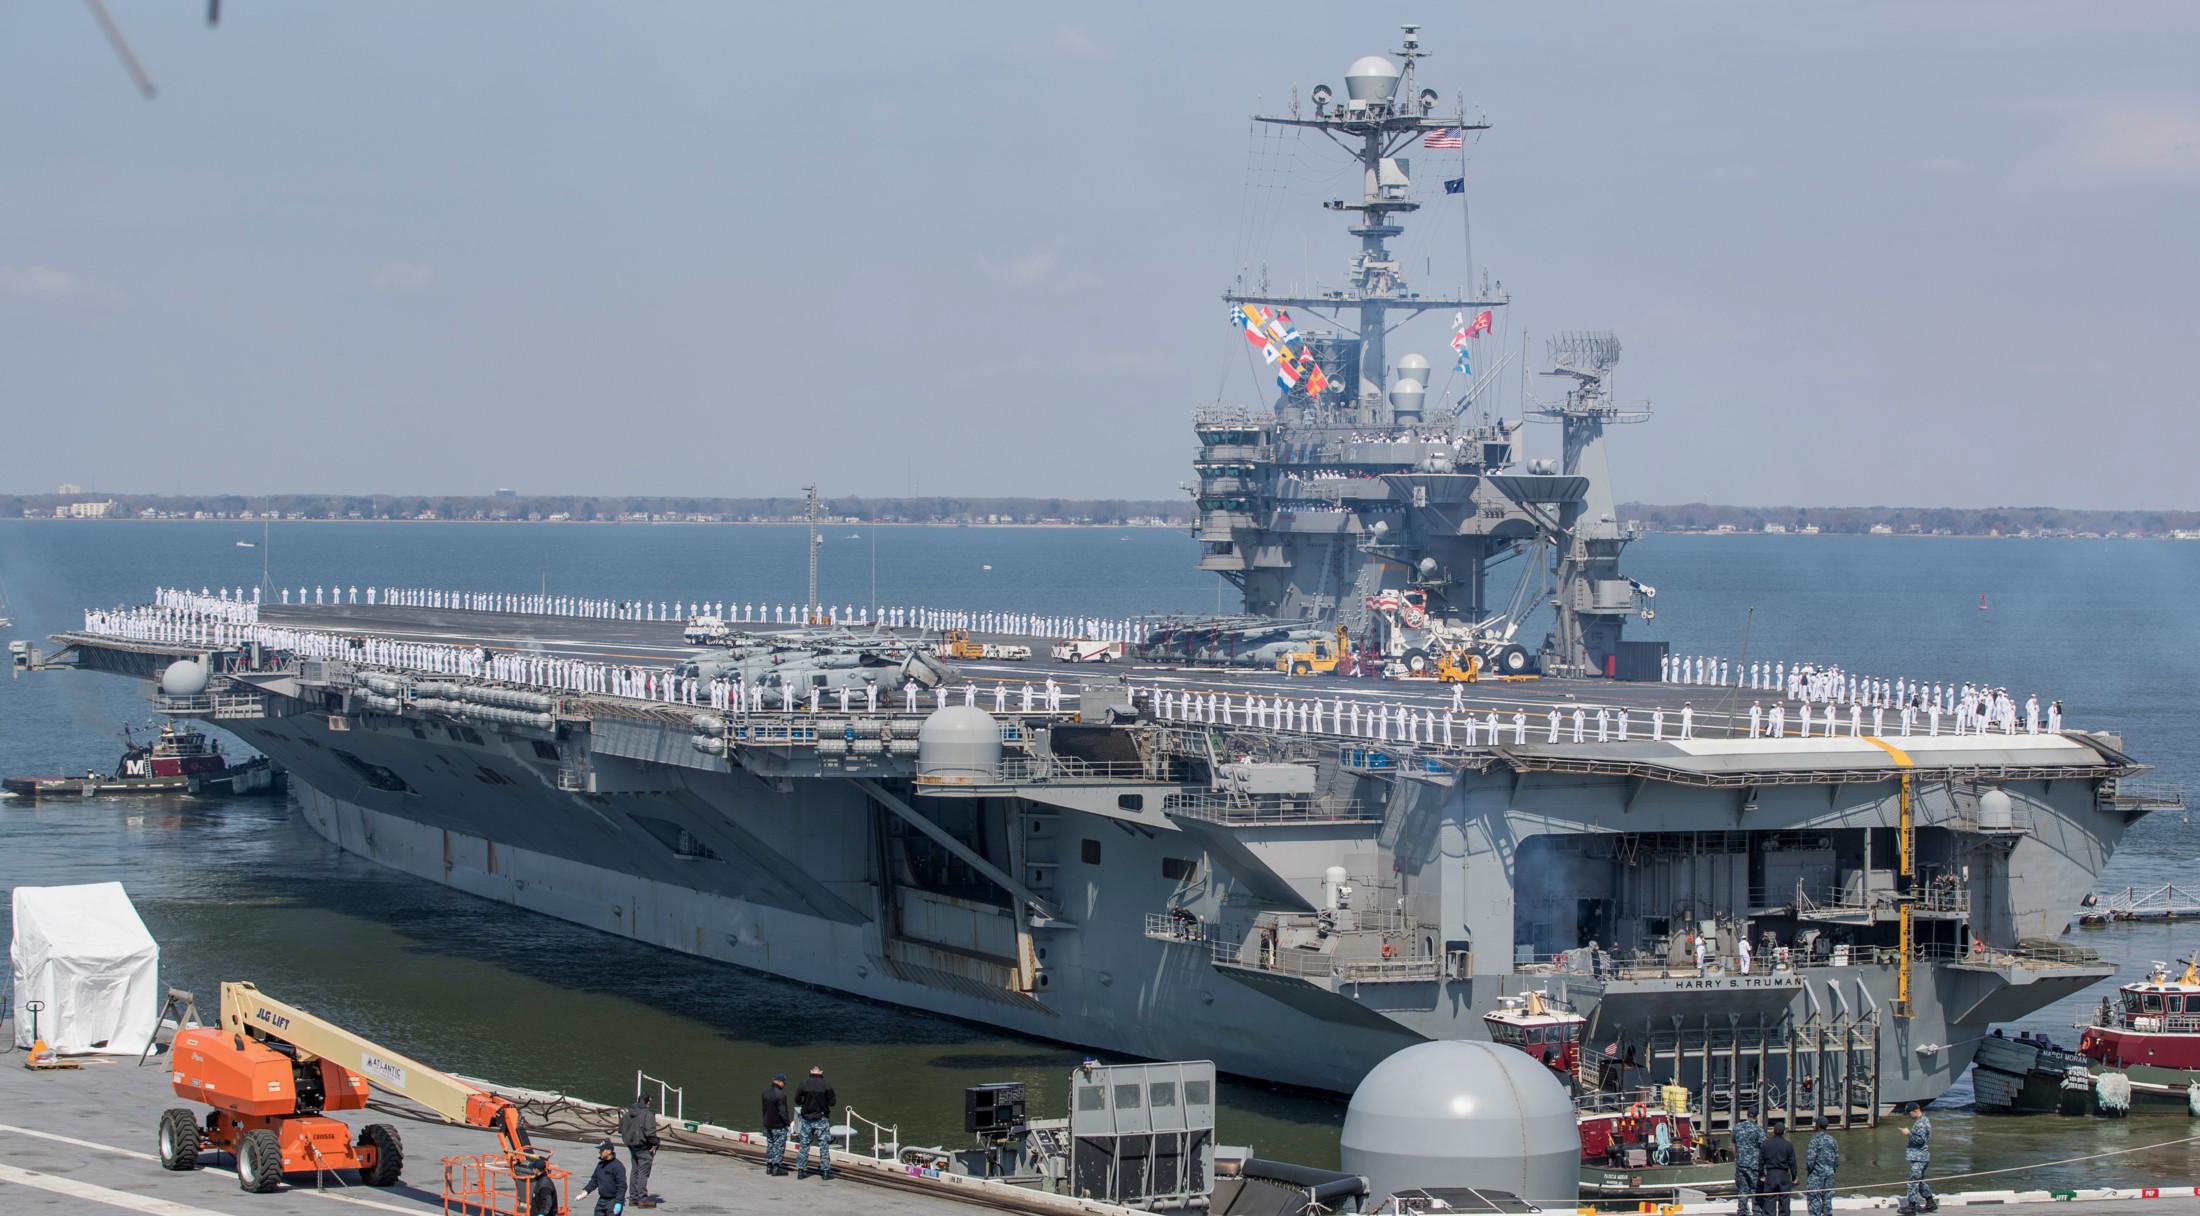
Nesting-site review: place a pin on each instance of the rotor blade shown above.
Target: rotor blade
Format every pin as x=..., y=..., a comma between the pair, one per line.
x=122, y=48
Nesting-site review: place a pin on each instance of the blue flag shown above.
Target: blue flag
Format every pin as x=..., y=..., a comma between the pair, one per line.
x=1462, y=368
x=1455, y=185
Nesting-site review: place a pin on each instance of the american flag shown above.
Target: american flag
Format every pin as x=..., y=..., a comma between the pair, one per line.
x=1445, y=137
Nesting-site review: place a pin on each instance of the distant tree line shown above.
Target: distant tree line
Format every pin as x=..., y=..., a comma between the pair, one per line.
x=1683, y=517
x=1947, y=521
x=584, y=507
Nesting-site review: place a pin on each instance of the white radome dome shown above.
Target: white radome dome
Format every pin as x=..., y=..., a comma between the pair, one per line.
x=1371, y=78
x=183, y=678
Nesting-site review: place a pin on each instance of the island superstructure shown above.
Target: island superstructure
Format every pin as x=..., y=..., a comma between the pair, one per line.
x=1355, y=483
x=1292, y=877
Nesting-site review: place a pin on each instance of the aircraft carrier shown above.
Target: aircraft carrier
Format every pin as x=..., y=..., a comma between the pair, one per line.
x=1221, y=845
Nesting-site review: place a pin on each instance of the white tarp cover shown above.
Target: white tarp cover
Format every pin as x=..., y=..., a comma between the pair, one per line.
x=84, y=952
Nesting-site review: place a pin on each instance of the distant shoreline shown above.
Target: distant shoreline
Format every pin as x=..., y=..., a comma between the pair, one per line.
x=948, y=511
x=944, y=525
x=822, y=525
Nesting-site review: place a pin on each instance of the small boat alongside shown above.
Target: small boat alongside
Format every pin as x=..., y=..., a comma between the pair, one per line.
x=181, y=760
x=1638, y=1140
x=2029, y=1075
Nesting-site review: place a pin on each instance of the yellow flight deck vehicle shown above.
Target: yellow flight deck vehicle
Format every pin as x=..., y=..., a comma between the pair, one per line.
x=1321, y=655
x=956, y=644
x=1447, y=666
x=1458, y=667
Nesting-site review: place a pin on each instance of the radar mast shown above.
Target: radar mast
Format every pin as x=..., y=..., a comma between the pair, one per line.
x=1380, y=117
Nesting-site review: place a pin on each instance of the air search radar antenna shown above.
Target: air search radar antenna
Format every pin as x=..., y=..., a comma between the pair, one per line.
x=1586, y=359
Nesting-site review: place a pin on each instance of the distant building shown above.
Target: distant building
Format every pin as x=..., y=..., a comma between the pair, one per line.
x=69, y=488
x=1775, y=529
x=90, y=510
x=1882, y=530
x=503, y=492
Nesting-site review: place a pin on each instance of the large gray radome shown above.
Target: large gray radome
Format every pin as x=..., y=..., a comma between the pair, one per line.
x=959, y=745
x=1455, y=1113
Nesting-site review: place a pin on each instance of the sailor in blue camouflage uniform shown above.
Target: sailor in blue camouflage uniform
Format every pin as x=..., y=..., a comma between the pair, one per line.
x=1918, y=1151
x=1749, y=1143
x=1820, y=1159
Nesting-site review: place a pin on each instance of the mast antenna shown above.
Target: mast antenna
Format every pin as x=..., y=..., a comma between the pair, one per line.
x=811, y=490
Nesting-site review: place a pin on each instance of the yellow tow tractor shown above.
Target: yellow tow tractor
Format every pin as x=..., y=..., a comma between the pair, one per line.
x=1321, y=655
x=1445, y=666
x=1458, y=667
x=956, y=644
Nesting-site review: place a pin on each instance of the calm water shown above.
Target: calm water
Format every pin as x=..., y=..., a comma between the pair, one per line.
x=240, y=890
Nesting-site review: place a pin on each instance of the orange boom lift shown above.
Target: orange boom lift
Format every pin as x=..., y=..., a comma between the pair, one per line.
x=270, y=1071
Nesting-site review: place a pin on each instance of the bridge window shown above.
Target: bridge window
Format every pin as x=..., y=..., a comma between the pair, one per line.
x=1130, y=802
x=1127, y=1097
x=1091, y=1097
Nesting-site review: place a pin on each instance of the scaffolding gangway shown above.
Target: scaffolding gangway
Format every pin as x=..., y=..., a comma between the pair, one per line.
x=2166, y=902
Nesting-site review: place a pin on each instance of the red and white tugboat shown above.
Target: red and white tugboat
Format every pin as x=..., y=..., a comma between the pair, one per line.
x=182, y=760
x=2144, y=1044
x=1637, y=1141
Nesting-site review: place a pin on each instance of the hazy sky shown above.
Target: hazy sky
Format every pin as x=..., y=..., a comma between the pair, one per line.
x=1931, y=254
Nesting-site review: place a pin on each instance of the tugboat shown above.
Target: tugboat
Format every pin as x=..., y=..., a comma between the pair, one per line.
x=1638, y=1140
x=182, y=760
x=2145, y=1044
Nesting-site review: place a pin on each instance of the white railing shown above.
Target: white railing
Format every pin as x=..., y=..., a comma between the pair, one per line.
x=671, y=1099
x=885, y=1139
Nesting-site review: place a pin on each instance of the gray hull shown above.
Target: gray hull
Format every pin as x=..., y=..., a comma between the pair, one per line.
x=809, y=879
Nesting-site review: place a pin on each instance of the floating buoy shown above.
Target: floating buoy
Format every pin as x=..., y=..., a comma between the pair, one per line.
x=1982, y=601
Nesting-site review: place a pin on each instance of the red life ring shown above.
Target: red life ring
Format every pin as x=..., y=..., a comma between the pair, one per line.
x=1389, y=951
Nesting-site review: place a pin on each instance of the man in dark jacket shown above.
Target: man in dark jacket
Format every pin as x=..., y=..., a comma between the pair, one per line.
x=1776, y=1193
x=609, y=1181
x=814, y=1100
x=638, y=1130
x=776, y=1123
